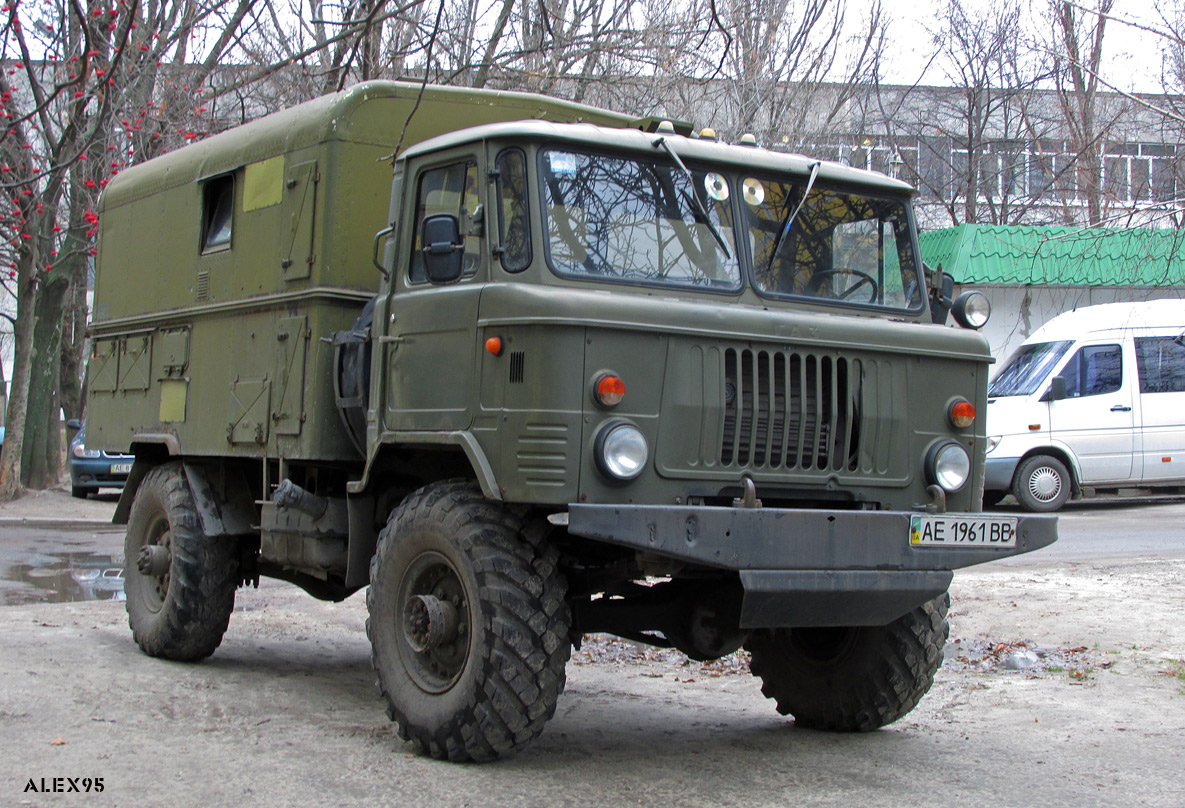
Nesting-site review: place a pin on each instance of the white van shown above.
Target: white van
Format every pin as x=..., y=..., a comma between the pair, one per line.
x=1095, y=399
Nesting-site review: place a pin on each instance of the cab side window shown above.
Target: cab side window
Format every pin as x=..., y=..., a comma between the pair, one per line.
x=513, y=211
x=449, y=189
x=218, y=197
x=1161, y=362
x=1094, y=370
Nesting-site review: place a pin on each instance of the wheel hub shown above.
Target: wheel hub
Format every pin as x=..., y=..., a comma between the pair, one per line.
x=1045, y=484
x=154, y=560
x=431, y=622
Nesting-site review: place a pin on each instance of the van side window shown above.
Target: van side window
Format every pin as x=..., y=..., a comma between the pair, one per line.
x=1161, y=361
x=448, y=189
x=1094, y=370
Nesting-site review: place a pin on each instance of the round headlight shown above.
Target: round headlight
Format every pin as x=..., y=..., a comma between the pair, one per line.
x=972, y=310
x=621, y=451
x=948, y=465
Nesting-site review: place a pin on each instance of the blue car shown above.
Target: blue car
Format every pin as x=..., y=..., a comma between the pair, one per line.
x=92, y=469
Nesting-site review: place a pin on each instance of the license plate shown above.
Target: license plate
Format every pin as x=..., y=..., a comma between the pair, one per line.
x=121, y=468
x=962, y=531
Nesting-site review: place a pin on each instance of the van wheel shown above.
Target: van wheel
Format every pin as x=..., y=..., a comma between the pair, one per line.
x=851, y=679
x=467, y=623
x=1042, y=484
x=180, y=583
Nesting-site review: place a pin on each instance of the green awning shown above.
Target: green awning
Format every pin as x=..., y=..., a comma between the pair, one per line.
x=1057, y=256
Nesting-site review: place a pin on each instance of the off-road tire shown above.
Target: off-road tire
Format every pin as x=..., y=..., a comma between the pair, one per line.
x=854, y=679
x=1042, y=484
x=495, y=684
x=182, y=614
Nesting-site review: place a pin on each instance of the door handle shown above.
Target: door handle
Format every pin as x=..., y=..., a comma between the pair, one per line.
x=1121, y=408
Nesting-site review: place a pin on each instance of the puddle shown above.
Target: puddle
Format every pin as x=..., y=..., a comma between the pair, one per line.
x=62, y=578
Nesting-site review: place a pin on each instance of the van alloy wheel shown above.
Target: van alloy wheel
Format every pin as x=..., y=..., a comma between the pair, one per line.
x=1042, y=484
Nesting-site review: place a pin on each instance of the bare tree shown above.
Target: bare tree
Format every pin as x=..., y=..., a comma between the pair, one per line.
x=1076, y=51
x=111, y=85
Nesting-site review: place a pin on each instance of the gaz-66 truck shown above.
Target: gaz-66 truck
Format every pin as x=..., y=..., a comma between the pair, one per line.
x=545, y=371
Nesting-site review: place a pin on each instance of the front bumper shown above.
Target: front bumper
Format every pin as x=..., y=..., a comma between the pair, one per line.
x=998, y=473
x=804, y=567
x=95, y=472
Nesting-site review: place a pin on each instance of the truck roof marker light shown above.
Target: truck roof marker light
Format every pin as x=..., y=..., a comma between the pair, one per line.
x=665, y=128
x=962, y=414
x=1034, y=427
x=494, y=345
x=747, y=139
x=610, y=390
x=707, y=133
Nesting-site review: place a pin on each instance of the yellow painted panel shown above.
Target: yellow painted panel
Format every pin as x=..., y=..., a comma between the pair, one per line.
x=263, y=185
x=172, y=400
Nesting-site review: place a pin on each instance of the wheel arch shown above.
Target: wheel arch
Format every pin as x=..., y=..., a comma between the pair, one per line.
x=220, y=490
x=1062, y=455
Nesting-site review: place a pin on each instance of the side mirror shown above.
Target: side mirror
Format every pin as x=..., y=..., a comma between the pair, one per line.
x=443, y=247
x=942, y=289
x=74, y=424
x=1057, y=389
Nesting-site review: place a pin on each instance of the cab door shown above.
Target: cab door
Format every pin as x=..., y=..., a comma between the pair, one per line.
x=430, y=342
x=1095, y=420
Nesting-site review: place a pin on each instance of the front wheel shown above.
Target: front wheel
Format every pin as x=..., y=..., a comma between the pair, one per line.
x=851, y=679
x=180, y=584
x=1042, y=484
x=468, y=624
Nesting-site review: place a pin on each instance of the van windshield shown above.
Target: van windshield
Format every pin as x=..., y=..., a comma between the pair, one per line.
x=1027, y=368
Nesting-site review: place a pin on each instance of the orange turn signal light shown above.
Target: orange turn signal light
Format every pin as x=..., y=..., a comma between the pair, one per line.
x=962, y=414
x=494, y=345
x=610, y=390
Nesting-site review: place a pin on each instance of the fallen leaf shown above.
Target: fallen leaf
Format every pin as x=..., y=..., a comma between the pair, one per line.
x=58, y=742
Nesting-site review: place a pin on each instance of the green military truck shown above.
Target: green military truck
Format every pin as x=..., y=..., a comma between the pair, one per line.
x=547, y=371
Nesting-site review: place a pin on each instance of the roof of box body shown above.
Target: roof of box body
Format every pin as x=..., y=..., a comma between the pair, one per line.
x=330, y=117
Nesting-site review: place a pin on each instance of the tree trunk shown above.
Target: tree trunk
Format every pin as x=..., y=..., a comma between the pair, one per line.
x=40, y=466
x=14, y=435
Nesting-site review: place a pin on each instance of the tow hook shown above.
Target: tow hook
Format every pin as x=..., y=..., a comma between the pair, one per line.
x=749, y=498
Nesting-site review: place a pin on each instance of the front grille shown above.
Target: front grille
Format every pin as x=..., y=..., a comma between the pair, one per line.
x=790, y=410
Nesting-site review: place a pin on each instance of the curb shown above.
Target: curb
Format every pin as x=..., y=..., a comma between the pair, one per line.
x=52, y=523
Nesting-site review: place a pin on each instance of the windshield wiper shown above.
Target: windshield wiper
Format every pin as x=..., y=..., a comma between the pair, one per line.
x=699, y=206
x=792, y=215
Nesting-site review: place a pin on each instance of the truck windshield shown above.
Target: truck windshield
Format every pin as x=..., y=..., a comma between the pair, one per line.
x=635, y=220
x=1027, y=368
x=841, y=246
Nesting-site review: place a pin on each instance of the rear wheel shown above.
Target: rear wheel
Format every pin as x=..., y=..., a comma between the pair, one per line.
x=468, y=624
x=180, y=584
x=851, y=679
x=1042, y=484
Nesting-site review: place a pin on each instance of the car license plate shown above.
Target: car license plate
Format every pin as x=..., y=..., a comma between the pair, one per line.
x=121, y=468
x=962, y=531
